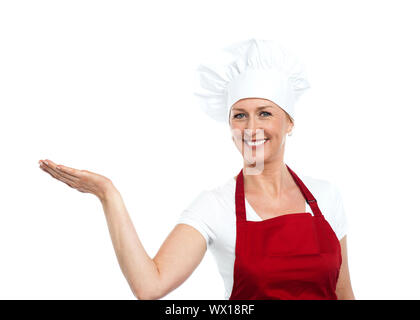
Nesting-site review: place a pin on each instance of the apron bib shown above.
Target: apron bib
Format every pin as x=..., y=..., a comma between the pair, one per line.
x=291, y=256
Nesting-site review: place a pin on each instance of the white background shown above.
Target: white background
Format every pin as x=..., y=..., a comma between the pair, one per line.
x=107, y=86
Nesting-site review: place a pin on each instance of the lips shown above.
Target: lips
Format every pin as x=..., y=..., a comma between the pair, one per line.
x=254, y=143
x=253, y=140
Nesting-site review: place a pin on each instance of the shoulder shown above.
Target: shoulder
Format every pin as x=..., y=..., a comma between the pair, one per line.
x=210, y=212
x=330, y=203
x=321, y=189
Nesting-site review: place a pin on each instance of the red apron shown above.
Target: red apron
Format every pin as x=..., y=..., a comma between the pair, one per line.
x=291, y=256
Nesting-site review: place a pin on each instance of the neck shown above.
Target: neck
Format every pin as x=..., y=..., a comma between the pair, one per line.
x=274, y=181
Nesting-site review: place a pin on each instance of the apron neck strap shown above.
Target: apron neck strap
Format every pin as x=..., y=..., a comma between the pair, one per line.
x=310, y=199
x=240, y=195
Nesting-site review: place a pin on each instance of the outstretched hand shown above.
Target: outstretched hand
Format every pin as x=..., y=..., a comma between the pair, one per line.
x=82, y=180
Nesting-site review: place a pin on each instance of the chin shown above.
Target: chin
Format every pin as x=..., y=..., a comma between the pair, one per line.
x=254, y=161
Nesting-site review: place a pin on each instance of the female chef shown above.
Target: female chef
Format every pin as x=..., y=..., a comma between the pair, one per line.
x=274, y=234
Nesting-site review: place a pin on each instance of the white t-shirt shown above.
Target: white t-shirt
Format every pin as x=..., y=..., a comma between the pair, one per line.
x=212, y=213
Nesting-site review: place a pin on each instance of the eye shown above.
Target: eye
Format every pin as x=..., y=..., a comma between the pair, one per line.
x=236, y=115
x=239, y=115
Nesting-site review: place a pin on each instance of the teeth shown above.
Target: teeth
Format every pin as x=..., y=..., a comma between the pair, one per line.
x=255, y=143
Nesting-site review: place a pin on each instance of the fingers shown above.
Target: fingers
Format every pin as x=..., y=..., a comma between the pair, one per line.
x=67, y=170
x=70, y=171
x=54, y=174
x=52, y=168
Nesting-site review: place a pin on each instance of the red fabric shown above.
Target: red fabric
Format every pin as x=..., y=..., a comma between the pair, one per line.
x=291, y=256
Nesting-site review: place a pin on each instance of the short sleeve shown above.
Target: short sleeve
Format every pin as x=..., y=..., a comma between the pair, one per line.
x=199, y=215
x=340, y=219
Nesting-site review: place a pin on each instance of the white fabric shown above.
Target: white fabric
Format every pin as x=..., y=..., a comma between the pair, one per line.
x=212, y=213
x=253, y=68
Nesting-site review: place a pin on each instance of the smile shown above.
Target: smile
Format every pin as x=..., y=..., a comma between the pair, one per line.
x=256, y=142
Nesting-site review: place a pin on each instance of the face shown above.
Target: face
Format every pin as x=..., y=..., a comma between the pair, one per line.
x=259, y=120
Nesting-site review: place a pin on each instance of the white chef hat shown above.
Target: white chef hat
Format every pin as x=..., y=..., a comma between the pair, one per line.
x=253, y=68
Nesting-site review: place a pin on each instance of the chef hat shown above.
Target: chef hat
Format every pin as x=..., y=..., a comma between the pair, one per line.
x=253, y=68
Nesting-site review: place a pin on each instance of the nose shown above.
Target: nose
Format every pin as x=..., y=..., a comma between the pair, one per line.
x=252, y=128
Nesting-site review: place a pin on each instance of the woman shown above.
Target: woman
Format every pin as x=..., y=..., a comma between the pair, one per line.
x=286, y=239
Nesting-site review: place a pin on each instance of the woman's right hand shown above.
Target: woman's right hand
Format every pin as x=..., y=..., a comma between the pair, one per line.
x=82, y=180
x=177, y=258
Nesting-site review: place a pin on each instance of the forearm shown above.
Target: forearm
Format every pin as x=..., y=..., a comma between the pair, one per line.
x=138, y=268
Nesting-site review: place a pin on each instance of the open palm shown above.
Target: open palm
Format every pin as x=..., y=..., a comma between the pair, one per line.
x=81, y=180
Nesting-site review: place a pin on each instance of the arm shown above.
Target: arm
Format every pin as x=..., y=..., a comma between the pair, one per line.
x=179, y=255
x=177, y=258
x=344, y=289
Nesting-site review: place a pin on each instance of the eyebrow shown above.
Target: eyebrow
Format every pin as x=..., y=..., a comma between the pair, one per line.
x=259, y=108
